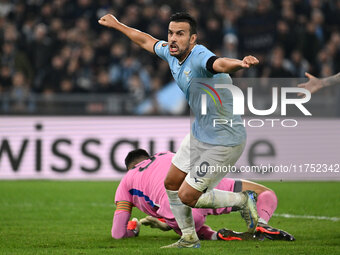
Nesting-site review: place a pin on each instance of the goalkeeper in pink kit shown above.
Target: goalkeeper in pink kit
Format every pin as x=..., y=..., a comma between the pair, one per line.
x=143, y=188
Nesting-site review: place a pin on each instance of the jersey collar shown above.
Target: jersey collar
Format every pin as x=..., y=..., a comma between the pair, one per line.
x=181, y=63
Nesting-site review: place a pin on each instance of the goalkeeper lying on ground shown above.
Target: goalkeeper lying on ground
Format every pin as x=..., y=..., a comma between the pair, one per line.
x=143, y=188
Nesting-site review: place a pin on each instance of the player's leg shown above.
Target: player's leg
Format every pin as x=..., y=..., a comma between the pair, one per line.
x=174, y=178
x=266, y=205
x=206, y=233
x=213, y=157
x=179, y=168
x=182, y=212
x=202, y=179
x=186, y=156
x=266, y=200
x=198, y=216
x=211, y=199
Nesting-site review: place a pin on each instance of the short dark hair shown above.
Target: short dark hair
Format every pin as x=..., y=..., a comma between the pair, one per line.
x=134, y=155
x=185, y=17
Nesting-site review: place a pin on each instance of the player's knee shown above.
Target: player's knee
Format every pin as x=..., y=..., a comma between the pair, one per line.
x=268, y=196
x=187, y=198
x=264, y=189
x=170, y=184
x=274, y=197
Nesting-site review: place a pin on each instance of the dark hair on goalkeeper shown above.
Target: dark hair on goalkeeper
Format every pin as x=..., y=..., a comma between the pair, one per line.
x=135, y=155
x=185, y=17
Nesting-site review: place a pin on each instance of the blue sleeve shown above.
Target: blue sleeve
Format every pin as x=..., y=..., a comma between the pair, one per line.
x=162, y=50
x=202, y=57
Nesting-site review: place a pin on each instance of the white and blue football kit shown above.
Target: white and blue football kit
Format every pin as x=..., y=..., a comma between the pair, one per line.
x=207, y=144
x=195, y=66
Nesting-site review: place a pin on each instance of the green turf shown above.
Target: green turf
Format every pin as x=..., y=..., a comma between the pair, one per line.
x=54, y=217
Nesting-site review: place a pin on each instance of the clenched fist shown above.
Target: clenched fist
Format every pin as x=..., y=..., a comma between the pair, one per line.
x=109, y=20
x=249, y=61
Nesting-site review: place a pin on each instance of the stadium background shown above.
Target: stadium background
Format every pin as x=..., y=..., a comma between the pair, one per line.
x=75, y=97
x=57, y=59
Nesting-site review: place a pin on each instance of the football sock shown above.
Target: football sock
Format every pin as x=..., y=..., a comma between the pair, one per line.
x=182, y=213
x=206, y=233
x=220, y=198
x=266, y=205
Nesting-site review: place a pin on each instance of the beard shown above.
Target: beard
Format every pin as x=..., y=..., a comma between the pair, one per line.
x=181, y=53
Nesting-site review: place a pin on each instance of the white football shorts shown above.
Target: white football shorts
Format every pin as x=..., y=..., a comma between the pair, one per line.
x=205, y=164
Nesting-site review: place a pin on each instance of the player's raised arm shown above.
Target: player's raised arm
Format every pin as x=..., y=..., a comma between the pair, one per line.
x=144, y=40
x=229, y=65
x=314, y=84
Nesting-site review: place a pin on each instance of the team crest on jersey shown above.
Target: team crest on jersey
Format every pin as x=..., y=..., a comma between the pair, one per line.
x=164, y=44
x=187, y=73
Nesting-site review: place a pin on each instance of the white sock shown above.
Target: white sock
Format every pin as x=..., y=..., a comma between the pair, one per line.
x=220, y=198
x=214, y=236
x=262, y=221
x=182, y=213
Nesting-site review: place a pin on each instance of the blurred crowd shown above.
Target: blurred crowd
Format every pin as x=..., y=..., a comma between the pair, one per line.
x=50, y=47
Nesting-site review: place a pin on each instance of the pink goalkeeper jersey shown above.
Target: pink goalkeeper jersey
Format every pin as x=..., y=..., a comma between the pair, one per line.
x=143, y=186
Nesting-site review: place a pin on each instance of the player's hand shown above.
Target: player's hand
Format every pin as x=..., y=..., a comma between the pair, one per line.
x=313, y=85
x=108, y=20
x=134, y=225
x=249, y=61
x=155, y=223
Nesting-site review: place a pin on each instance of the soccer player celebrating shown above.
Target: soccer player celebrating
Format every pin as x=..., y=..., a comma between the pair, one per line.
x=221, y=146
x=143, y=187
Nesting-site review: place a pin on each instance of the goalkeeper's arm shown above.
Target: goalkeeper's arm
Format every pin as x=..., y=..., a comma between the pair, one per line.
x=121, y=226
x=144, y=40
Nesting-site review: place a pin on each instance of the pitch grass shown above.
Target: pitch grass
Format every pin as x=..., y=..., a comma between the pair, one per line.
x=56, y=217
